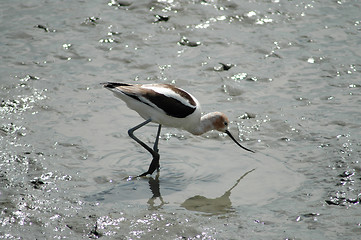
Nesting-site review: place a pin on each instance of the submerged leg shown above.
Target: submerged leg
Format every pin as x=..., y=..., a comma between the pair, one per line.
x=155, y=162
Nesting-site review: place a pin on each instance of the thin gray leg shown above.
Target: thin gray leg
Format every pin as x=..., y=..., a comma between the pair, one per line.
x=155, y=147
x=155, y=161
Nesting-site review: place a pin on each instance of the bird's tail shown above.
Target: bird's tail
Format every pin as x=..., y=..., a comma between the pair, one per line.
x=114, y=84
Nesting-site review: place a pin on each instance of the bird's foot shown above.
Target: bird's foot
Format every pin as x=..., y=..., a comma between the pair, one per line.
x=150, y=172
x=154, y=165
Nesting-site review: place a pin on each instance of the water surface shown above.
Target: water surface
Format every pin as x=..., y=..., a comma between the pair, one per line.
x=287, y=74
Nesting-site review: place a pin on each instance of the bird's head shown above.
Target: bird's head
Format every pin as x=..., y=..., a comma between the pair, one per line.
x=221, y=123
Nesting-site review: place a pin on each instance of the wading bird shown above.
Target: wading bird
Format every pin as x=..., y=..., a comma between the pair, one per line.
x=170, y=106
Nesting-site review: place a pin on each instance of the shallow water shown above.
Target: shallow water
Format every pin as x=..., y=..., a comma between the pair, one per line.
x=292, y=93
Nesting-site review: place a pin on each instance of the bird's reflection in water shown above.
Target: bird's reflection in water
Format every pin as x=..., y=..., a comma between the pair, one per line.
x=212, y=206
x=197, y=203
x=155, y=189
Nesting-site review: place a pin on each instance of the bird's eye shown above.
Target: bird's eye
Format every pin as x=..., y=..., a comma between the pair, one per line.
x=225, y=123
